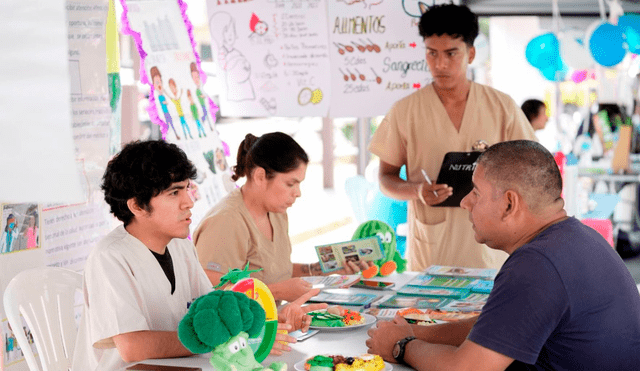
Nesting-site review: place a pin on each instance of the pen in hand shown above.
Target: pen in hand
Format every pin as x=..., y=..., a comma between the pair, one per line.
x=426, y=177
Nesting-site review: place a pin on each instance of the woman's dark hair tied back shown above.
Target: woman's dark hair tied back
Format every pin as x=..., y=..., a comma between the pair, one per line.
x=274, y=152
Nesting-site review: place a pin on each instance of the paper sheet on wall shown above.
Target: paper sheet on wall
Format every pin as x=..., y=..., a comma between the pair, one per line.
x=170, y=66
x=272, y=56
x=35, y=121
x=377, y=55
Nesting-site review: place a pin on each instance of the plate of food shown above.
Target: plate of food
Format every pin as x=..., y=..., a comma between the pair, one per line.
x=365, y=361
x=338, y=318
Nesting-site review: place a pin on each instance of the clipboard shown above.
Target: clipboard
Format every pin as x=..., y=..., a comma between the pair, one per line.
x=456, y=171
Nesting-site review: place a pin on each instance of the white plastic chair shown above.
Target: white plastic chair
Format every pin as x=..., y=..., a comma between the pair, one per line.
x=45, y=297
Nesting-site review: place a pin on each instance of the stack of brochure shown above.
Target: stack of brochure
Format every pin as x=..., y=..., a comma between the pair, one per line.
x=445, y=288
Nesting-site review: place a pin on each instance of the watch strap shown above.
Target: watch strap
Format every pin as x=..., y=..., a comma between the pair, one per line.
x=402, y=343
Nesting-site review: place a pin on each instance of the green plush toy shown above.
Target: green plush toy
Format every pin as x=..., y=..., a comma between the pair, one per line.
x=221, y=322
x=392, y=260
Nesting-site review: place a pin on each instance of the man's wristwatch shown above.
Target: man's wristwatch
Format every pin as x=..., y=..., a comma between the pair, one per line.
x=398, y=349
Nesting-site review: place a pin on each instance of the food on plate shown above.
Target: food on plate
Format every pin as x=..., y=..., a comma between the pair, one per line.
x=364, y=362
x=336, y=316
x=416, y=316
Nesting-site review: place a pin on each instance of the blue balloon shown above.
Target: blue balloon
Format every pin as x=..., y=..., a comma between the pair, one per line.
x=630, y=24
x=552, y=73
x=607, y=45
x=544, y=51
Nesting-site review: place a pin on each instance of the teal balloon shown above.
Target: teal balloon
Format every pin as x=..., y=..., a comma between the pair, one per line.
x=630, y=25
x=544, y=51
x=607, y=45
x=554, y=74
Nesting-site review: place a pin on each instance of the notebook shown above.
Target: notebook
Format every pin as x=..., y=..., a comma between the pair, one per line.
x=456, y=172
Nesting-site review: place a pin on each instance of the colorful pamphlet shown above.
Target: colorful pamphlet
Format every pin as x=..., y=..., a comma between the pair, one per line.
x=484, y=286
x=443, y=270
x=433, y=292
x=343, y=298
x=459, y=283
x=333, y=281
x=332, y=256
x=419, y=302
x=439, y=315
x=472, y=303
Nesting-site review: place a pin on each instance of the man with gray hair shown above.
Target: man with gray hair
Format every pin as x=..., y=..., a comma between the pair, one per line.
x=563, y=300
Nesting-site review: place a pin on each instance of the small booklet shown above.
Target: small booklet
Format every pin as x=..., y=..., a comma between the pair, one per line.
x=332, y=255
x=343, y=298
x=456, y=172
x=149, y=367
x=439, y=315
x=459, y=283
x=471, y=303
x=484, y=286
x=433, y=292
x=332, y=282
x=443, y=270
x=419, y=302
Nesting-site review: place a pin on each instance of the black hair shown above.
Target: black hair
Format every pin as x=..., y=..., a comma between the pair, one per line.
x=531, y=108
x=526, y=167
x=450, y=19
x=142, y=170
x=274, y=152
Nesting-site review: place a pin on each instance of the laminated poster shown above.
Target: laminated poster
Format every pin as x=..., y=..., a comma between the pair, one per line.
x=171, y=67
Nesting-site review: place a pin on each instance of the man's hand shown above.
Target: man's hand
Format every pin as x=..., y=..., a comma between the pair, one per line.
x=290, y=289
x=385, y=335
x=283, y=340
x=433, y=194
x=295, y=314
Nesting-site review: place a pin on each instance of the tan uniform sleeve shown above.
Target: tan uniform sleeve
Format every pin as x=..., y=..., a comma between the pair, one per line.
x=222, y=242
x=389, y=142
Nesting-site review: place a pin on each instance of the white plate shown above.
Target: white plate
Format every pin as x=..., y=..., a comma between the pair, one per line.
x=368, y=320
x=300, y=366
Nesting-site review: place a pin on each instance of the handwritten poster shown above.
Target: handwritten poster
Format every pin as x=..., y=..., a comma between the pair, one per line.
x=69, y=231
x=272, y=56
x=377, y=55
x=178, y=103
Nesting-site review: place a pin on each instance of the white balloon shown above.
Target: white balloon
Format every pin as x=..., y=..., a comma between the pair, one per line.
x=574, y=49
x=482, y=50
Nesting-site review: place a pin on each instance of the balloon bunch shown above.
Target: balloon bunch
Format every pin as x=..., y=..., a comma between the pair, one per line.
x=603, y=42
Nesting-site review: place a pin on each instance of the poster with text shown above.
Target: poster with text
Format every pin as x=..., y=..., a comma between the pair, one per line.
x=178, y=102
x=70, y=231
x=272, y=56
x=377, y=55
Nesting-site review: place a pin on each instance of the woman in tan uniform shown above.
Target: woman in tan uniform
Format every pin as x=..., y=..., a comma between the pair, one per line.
x=250, y=224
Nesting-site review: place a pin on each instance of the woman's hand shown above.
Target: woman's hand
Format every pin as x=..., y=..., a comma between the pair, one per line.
x=283, y=340
x=290, y=289
x=296, y=315
x=353, y=267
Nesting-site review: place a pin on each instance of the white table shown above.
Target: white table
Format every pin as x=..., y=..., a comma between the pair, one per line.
x=345, y=342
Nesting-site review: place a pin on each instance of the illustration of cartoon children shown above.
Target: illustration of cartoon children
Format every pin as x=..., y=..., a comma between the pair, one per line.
x=175, y=98
x=31, y=233
x=194, y=112
x=9, y=234
x=195, y=74
x=236, y=67
x=156, y=77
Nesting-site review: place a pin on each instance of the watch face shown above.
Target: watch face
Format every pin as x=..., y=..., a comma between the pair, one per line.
x=396, y=351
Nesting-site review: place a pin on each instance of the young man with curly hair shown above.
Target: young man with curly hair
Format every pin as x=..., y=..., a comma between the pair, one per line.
x=140, y=279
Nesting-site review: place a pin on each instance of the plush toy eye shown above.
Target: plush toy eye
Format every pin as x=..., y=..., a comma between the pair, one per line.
x=234, y=347
x=243, y=343
x=387, y=237
x=381, y=236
